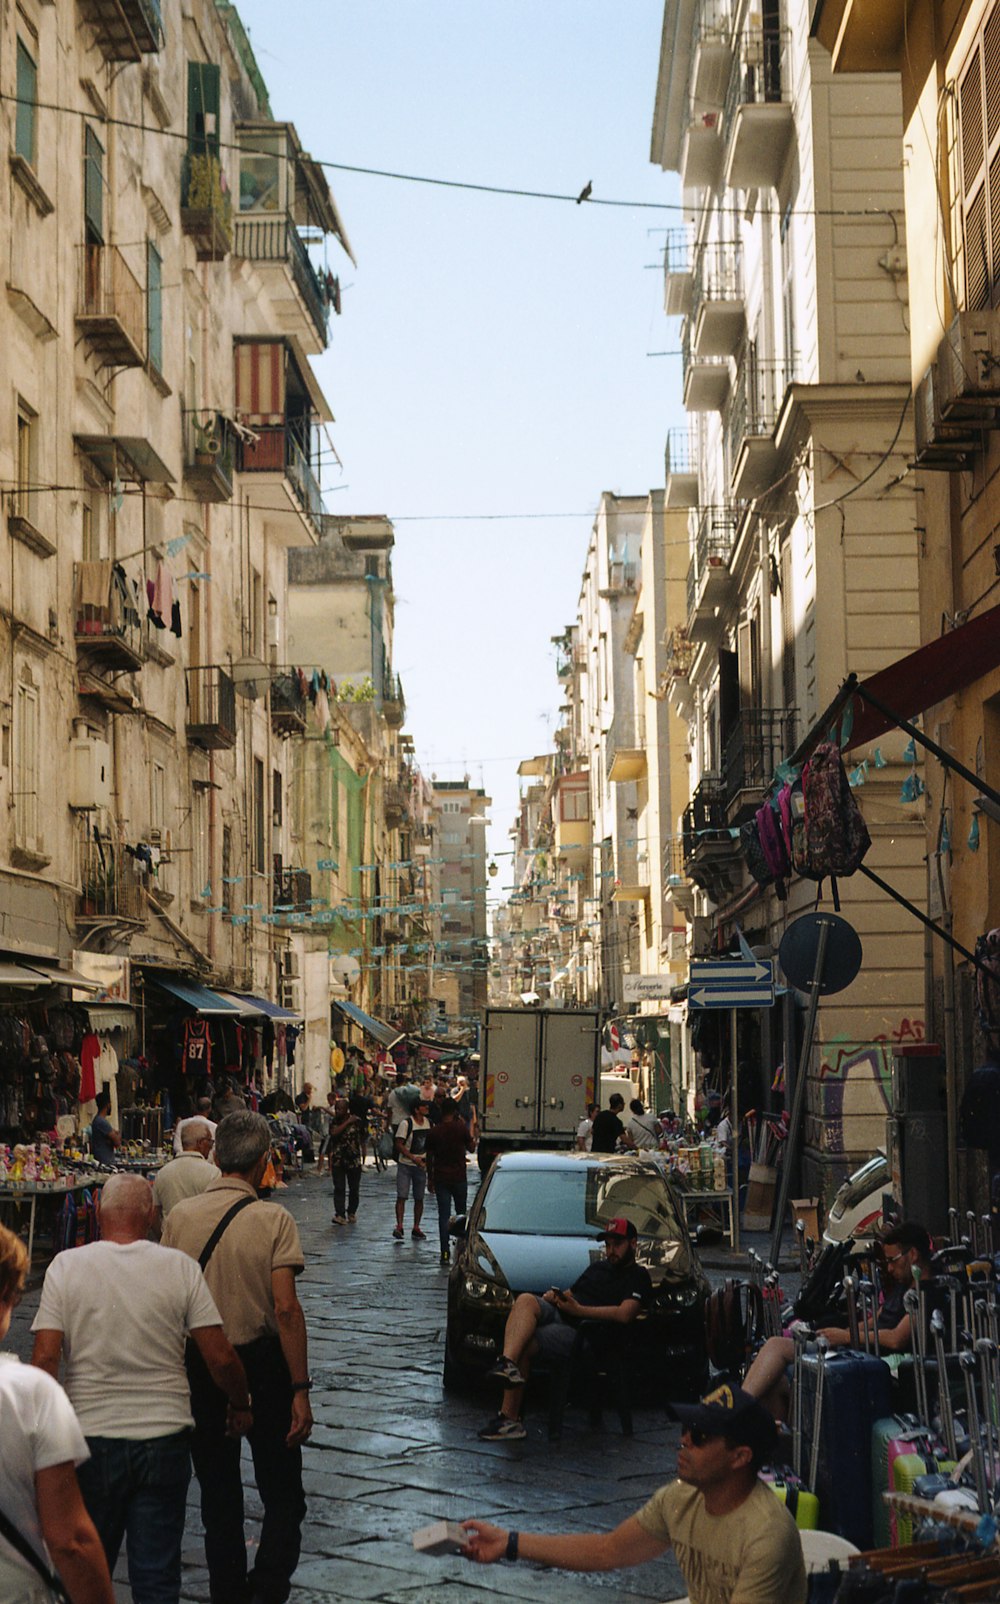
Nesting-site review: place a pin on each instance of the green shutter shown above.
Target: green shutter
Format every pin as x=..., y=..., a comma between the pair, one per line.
x=27, y=99
x=93, y=187
x=154, y=307
x=204, y=104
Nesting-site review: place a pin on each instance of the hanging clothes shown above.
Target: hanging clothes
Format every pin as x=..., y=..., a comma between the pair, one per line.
x=162, y=596
x=90, y=1052
x=197, y=1047
x=106, y=1070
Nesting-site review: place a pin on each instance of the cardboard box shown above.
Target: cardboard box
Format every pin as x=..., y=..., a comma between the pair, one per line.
x=806, y=1209
x=761, y=1182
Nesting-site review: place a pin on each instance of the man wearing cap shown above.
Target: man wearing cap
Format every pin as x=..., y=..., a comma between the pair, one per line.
x=612, y=1290
x=734, y=1540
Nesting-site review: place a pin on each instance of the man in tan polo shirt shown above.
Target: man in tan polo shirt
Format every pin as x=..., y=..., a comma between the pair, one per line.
x=250, y=1253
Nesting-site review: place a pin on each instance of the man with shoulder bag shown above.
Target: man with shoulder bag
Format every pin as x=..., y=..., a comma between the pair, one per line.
x=250, y=1254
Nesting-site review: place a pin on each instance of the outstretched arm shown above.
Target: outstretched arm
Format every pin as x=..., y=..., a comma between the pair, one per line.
x=628, y=1544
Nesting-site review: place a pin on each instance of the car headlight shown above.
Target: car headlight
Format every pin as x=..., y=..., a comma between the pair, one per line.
x=484, y=1291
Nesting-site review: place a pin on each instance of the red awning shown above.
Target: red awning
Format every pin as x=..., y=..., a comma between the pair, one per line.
x=928, y=675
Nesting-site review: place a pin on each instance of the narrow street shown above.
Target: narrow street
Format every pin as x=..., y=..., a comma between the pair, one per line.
x=391, y=1452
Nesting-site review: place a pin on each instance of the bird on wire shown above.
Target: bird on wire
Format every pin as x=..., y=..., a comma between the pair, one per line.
x=586, y=191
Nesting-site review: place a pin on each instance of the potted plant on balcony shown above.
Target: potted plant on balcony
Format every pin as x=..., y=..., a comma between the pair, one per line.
x=207, y=208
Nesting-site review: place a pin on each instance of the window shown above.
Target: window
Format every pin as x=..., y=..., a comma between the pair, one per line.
x=200, y=871
x=154, y=307
x=25, y=132
x=93, y=188
x=225, y=897
x=27, y=823
x=27, y=442
x=204, y=81
x=256, y=614
x=575, y=805
x=277, y=800
x=259, y=836
x=157, y=796
x=979, y=176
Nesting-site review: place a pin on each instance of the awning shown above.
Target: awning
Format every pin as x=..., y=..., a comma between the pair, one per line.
x=198, y=998
x=126, y=457
x=110, y=1016
x=388, y=1035
x=246, y=1008
x=263, y=1006
x=66, y=977
x=18, y=975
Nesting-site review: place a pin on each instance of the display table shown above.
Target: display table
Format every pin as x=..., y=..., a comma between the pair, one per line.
x=723, y=1201
x=12, y=1199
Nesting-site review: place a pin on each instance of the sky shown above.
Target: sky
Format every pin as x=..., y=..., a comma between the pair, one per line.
x=491, y=358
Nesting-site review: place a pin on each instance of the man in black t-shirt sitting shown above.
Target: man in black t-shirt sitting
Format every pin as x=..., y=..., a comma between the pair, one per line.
x=613, y=1290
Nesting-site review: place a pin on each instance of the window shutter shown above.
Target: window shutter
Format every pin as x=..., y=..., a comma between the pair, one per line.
x=154, y=306
x=204, y=102
x=93, y=187
x=260, y=381
x=979, y=121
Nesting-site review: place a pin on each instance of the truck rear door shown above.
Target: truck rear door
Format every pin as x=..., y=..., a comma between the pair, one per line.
x=510, y=1069
x=570, y=1066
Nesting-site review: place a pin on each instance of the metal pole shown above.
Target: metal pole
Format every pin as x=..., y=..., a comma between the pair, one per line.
x=734, y=1117
x=799, y=1093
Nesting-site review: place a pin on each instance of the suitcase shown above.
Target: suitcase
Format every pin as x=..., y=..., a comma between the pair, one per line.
x=856, y=1391
x=907, y=1470
x=801, y=1504
x=895, y=1435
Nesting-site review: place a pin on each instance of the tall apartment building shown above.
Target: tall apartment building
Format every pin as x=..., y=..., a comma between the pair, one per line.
x=167, y=242
x=946, y=61
x=788, y=279
x=463, y=954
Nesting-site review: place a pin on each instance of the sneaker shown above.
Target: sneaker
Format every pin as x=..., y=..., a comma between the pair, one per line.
x=398, y=1233
x=445, y=1256
x=418, y=1235
x=338, y=1219
x=506, y=1370
x=502, y=1429
x=352, y=1219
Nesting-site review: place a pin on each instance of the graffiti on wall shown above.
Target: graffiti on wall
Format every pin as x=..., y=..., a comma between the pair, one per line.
x=855, y=1084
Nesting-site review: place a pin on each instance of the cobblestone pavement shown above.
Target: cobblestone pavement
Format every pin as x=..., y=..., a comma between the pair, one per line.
x=391, y=1451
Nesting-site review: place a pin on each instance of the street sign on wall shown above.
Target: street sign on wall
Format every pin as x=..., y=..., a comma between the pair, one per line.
x=731, y=983
x=646, y=988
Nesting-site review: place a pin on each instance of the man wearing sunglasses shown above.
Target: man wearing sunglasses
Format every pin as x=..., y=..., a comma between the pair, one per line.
x=732, y=1538
x=906, y=1249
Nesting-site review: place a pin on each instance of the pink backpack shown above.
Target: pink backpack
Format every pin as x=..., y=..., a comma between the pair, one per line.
x=835, y=836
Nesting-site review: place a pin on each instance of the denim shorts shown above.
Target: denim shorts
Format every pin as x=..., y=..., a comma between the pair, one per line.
x=554, y=1335
x=408, y=1175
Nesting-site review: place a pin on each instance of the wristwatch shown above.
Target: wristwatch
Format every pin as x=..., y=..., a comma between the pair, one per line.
x=302, y=1386
x=513, y=1539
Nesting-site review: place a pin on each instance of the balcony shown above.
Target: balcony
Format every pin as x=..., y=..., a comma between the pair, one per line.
x=206, y=206
x=275, y=244
x=676, y=680
x=277, y=450
x=675, y=878
x=211, y=709
x=706, y=379
x=573, y=838
x=758, y=117
x=718, y=311
x=111, y=307
x=702, y=152
x=632, y=881
x=681, y=468
x=289, y=705
x=125, y=30
x=108, y=617
x=209, y=455
x=393, y=702
x=712, y=857
x=678, y=273
x=757, y=400
x=395, y=803
x=862, y=35
x=762, y=738
x=710, y=583
x=712, y=64
x=110, y=889
x=292, y=893
x=625, y=748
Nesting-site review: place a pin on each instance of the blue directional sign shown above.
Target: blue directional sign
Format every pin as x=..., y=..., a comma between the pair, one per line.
x=731, y=983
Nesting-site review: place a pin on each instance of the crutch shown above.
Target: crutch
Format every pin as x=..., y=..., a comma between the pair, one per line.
x=968, y=1364
x=866, y=1294
x=944, y=1386
x=911, y=1303
x=800, y=1232
x=953, y=1226
x=851, y=1294
x=798, y=1349
x=821, y=1351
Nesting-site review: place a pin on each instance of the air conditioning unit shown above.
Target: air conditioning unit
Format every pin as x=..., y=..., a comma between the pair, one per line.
x=289, y=965
x=89, y=774
x=290, y=993
x=940, y=444
x=968, y=363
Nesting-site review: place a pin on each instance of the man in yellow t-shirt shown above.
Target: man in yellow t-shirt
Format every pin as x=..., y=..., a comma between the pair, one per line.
x=735, y=1541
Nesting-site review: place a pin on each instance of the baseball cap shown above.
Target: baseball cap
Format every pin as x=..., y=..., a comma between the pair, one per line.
x=620, y=1227
x=732, y=1413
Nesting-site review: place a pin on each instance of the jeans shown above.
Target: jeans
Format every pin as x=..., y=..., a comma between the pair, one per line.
x=452, y=1198
x=346, y=1182
x=277, y=1471
x=136, y=1489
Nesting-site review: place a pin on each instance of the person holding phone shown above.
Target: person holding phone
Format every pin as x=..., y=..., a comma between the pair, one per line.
x=614, y=1291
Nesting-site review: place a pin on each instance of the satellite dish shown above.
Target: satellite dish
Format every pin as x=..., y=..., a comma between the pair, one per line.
x=250, y=677
x=345, y=968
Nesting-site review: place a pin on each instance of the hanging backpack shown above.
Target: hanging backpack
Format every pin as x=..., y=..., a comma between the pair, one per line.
x=773, y=846
x=753, y=853
x=835, y=837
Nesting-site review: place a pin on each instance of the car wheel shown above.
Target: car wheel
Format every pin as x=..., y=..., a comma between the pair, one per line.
x=454, y=1376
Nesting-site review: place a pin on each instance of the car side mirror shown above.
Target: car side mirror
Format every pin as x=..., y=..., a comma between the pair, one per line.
x=459, y=1226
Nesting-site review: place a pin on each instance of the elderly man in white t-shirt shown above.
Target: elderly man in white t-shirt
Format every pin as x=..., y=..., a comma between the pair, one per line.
x=119, y=1311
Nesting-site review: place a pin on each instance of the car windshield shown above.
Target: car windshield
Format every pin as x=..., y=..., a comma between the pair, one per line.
x=863, y=1183
x=578, y=1202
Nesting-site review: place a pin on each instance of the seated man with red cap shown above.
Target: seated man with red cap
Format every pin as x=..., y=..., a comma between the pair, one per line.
x=613, y=1290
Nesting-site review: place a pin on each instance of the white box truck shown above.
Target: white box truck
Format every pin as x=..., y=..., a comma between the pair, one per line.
x=539, y=1071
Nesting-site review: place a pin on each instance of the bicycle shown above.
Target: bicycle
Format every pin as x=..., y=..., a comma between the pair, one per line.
x=375, y=1128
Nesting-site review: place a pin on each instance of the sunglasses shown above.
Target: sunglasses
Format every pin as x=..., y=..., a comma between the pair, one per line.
x=895, y=1257
x=698, y=1436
